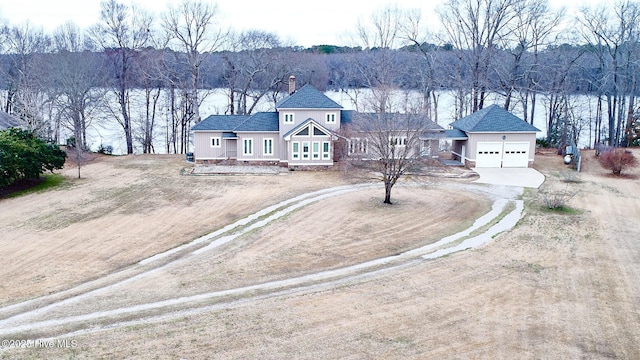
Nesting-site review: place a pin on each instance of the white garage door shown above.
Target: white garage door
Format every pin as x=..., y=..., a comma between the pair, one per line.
x=516, y=154
x=489, y=154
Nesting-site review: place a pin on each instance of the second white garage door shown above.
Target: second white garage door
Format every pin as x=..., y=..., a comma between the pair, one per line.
x=515, y=154
x=502, y=154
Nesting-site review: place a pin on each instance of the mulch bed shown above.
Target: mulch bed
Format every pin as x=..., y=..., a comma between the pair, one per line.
x=20, y=185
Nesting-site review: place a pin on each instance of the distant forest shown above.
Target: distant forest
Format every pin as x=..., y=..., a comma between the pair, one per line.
x=520, y=50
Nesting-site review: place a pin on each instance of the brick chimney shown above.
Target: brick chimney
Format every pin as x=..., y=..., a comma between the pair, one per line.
x=292, y=84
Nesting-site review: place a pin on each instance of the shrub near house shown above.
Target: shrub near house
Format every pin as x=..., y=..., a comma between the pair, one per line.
x=25, y=156
x=617, y=160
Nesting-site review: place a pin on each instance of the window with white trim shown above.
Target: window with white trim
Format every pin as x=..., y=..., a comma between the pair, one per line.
x=295, y=153
x=325, y=150
x=288, y=118
x=330, y=118
x=215, y=142
x=398, y=140
x=303, y=132
x=305, y=150
x=358, y=146
x=316, y=150
x=318, y=132
x=267, y=148
x=247, y=146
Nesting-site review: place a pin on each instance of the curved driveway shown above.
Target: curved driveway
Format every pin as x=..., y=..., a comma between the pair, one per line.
x=28, y=316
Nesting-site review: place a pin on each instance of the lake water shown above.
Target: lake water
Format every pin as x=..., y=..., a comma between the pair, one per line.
x=104, y=130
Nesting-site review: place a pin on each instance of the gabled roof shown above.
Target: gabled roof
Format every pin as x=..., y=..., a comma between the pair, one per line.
x=220, y=122
x=307, y=97
x=493, y=119
x=305, y=123
x=262, y=121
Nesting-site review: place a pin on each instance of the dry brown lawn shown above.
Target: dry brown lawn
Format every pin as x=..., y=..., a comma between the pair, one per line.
x=559, y=285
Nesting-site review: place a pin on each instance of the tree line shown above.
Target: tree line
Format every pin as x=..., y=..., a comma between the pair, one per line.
x=150, y=74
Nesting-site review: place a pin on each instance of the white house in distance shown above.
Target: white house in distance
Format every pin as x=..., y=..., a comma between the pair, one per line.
x=493, y=137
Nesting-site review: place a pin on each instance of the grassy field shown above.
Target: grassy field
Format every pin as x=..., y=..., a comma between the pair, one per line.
x=559, y=285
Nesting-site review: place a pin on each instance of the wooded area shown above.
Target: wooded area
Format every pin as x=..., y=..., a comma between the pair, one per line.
x=150, y=75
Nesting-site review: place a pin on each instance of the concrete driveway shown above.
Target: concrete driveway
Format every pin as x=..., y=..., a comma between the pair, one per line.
x=522, y=177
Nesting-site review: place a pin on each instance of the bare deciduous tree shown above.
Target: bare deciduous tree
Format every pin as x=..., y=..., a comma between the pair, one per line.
x=475, y=28
x=194, y=31
x=388, y=144
x=254, y=66
x=123, y=31
x=387, y=139
x=26, y=97
x=73, y=75
x=615, y=35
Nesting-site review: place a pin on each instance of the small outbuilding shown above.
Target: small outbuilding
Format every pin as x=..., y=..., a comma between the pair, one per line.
x=493, y=137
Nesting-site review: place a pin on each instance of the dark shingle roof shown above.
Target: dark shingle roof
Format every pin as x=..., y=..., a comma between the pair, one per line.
x=307, y=97
x=220, y=122
x=398, y=119
x=346, y=116
x=456, y=134
x=262, y=121
x=492, y=119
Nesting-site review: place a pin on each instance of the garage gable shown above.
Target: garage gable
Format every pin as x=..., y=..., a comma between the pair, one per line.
x=497, y=138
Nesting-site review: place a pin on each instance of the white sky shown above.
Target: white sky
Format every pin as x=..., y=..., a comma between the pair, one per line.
x=306, y=23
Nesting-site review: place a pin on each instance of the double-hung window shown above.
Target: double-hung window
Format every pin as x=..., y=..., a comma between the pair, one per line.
x=247, y=147
x=295, y=153
x=288, y=118
x=330, y=118
x=267, y=147
x=325, y=150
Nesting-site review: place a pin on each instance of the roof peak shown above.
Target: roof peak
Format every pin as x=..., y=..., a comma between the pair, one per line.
x=307, y=97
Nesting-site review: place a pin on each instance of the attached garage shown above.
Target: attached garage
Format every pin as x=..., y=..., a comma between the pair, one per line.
x=489, y=154
x=516, y=154
x=502, y=154
x=495, y=138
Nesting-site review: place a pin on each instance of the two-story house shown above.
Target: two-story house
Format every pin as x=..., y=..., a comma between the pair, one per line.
x=301, y=132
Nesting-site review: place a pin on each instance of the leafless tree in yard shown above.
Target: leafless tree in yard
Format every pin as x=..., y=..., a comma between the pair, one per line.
x=73, y=75
x=385, y=140
x=387, y=144
x=121, y=34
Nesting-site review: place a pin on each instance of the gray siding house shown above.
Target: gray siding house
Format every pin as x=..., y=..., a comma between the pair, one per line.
x=301, y=132
x=493, y=137
x=304, y=131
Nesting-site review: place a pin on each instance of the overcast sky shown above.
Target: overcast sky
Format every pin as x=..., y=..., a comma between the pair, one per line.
x=306, y=23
